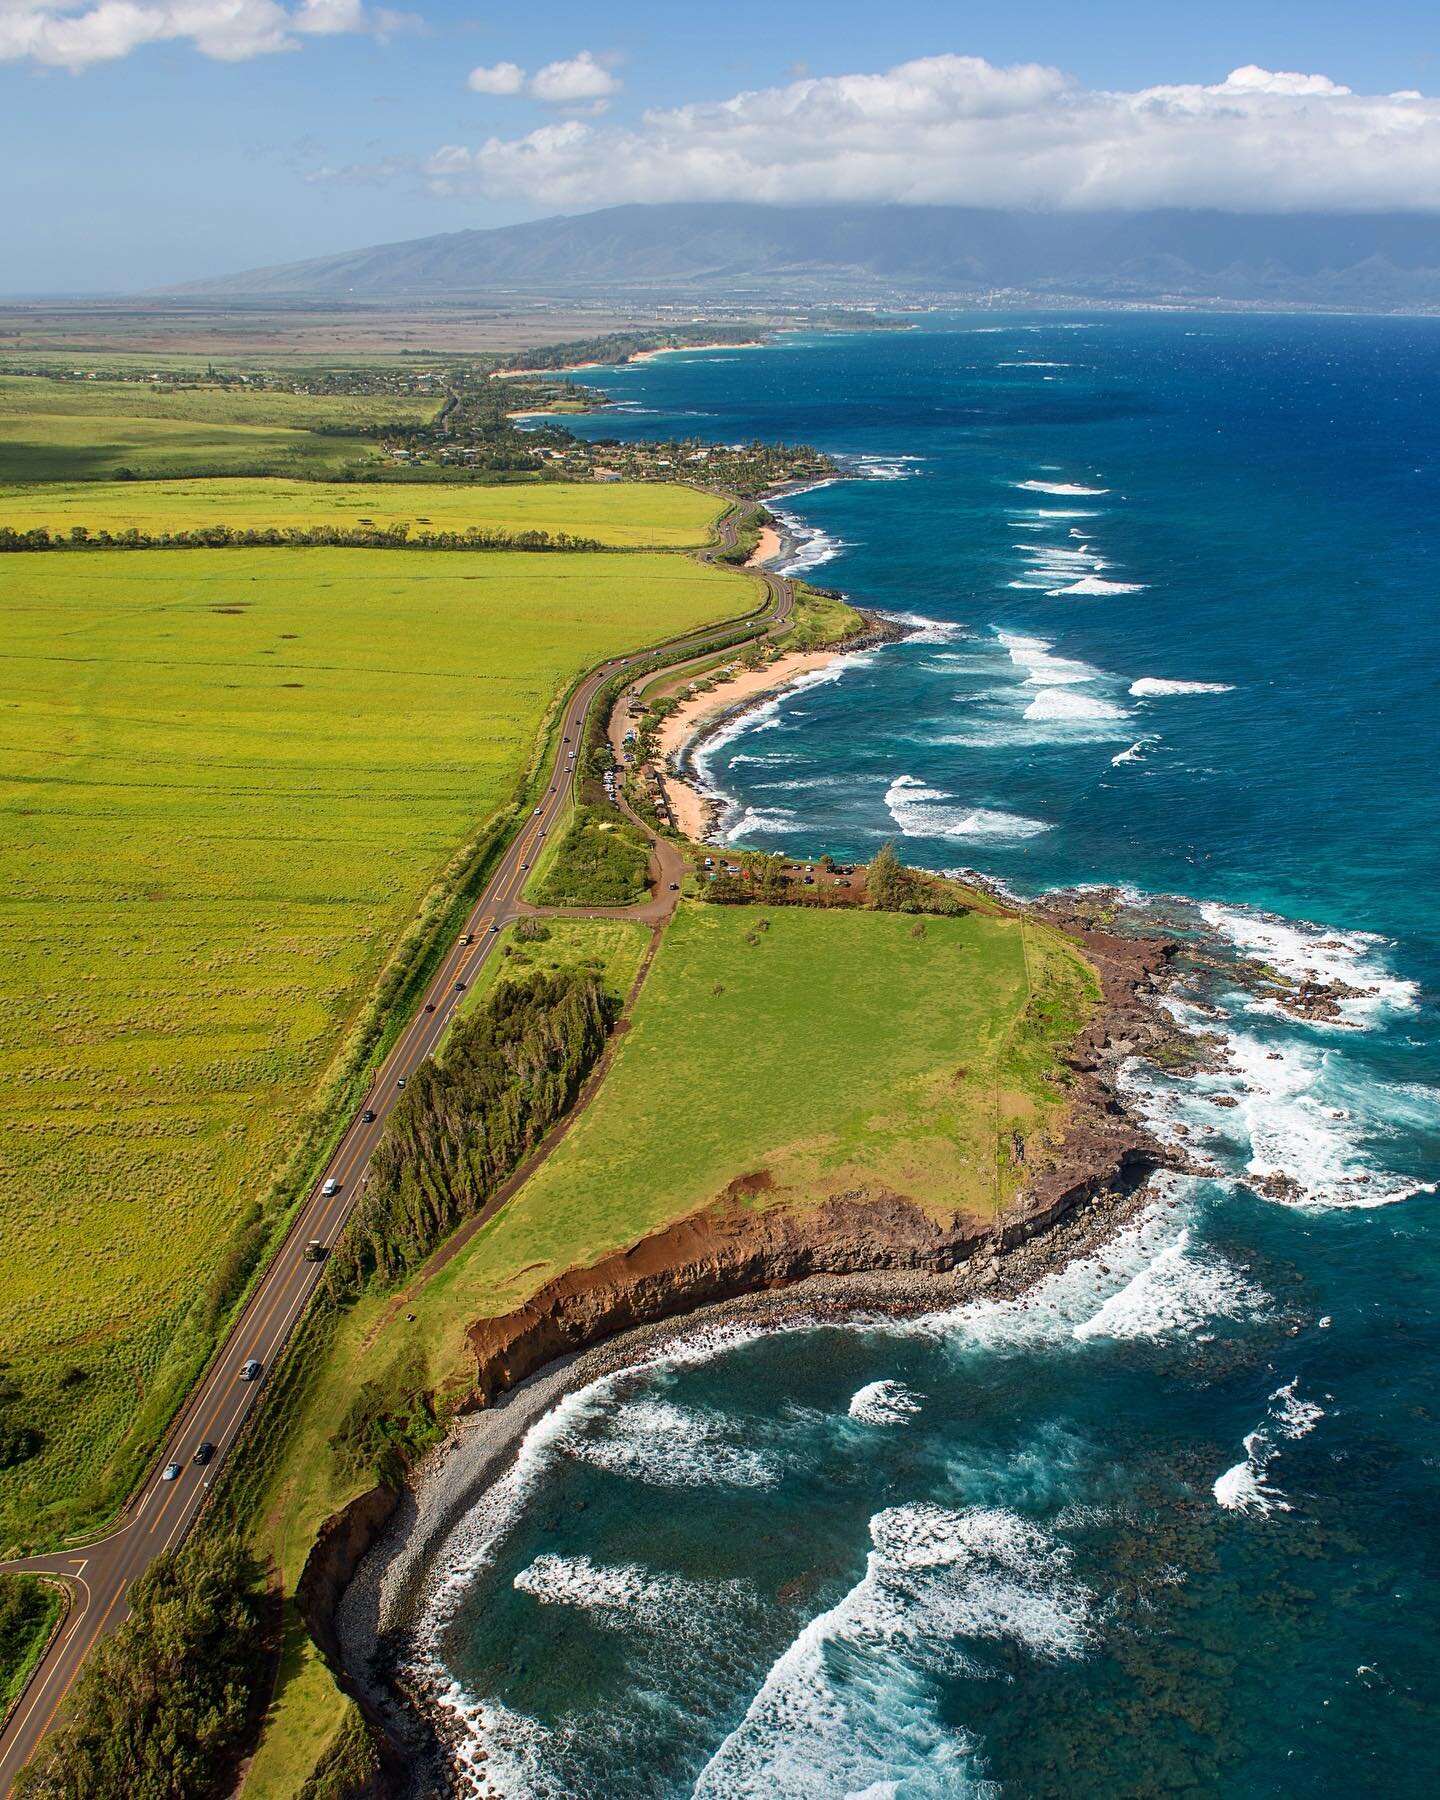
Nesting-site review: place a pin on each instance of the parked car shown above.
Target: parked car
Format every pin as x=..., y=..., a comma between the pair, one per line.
x=171, y=1472
x=252, y=1369
x=203, y=1453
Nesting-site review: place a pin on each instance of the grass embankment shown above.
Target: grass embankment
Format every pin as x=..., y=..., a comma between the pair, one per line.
x=820, y=621
x=86, y=431
x=231, y=779
x=28, y=1611
x=832, y=1050
x=626, y=515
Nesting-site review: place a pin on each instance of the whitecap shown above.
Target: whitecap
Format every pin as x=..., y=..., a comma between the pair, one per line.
x=1245, y=1486
x=1060, y=705
x=918, y=812
x=1093, y=585
x=1058, y=487
x=1151, y=686
x=1136, y=752
x=933, y=1578
x=883, y=1403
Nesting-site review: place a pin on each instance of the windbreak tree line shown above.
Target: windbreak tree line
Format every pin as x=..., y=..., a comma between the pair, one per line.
x=510, y=1070
x=289, y=537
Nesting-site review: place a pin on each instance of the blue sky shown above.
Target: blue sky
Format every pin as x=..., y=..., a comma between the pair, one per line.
x=190, y=137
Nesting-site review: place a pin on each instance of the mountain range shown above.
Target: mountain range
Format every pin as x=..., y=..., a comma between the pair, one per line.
x=737, y=251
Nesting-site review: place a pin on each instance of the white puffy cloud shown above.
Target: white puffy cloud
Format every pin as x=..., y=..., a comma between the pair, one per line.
x=580, y=81
x=66, y=35
x=575, y=79
x=499, y=78
x=959, y=130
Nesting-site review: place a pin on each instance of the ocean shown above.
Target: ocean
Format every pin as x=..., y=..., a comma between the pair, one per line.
x=1168, y=1525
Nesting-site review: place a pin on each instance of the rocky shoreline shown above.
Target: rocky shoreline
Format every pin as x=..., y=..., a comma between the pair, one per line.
x=728, y=1264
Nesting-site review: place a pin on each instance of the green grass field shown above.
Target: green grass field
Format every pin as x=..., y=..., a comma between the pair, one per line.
x=28, y=1611
x=614, y=948
x=85, y=431
x=623, y=514
x=230, y=778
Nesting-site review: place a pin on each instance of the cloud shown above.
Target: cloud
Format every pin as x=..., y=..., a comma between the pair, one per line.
x=61, y=34
x=583, y=80
x=959, y=130
x=500, y=78
x=577, y=78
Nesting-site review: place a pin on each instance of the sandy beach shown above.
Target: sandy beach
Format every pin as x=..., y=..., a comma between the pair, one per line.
x=692, y=810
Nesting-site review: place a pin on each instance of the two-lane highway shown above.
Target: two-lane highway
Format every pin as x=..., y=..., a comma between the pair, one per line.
x=158, y=1515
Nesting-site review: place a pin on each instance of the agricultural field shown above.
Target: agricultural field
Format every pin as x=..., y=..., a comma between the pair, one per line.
x=625, y=515
x=231, y=779
x=827, y=1048
x=86, y=431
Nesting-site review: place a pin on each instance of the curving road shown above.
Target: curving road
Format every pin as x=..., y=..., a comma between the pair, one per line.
x=157, y=1517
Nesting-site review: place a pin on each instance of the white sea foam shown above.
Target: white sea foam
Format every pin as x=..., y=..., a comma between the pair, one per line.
x=754, y=822
x=1042, y=668
x=1033, y=364
x=924, y=630
x=1092, y=585
x=617, y=1593
x=848, y=1708
x=1301, y=951
x=1058, y=487
x=1150, y=1283
x=883, y=1403
x=1060, y=704
x=1245, y=1486
x=1136, y=753
x=1151, y=686
x=919, y=811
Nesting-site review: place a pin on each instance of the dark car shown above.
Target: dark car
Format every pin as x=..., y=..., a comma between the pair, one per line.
x=674, y=887
x=459, y=987
x=368, y=1116
x=401, y=1082
x=203, y=1453
x=171, y=1472
x=429, y=1006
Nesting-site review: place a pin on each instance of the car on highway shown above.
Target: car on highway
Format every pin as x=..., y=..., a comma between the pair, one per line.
x=495, y=926
x=674, y=887
x=429, y=1006
x=314, y=1251
x=401, y=1082
x=459, y=987
x=251, y=1370
x=332, y=1186
x=171, y=1472
x=203, y=1453
x=537, y=812
x=466, y=939
x=368, y=1116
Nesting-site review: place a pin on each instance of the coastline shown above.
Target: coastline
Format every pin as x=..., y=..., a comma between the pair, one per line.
x=723, y=1270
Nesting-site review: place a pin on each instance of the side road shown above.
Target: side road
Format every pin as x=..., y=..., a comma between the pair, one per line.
x=161, y=1511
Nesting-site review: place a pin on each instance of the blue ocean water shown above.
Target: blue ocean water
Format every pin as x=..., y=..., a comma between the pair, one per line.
x=1168, y=1526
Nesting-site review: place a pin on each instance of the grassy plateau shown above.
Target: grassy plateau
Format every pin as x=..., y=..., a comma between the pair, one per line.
x=230, y=779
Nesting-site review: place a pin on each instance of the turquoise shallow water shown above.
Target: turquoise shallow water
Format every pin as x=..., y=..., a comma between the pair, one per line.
x=1169, y=1527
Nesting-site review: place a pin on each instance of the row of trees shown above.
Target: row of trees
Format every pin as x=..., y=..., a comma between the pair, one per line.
x=227, y=537
x=511, y=1068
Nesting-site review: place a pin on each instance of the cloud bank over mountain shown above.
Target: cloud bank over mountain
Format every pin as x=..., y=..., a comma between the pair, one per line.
x=957, y=130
